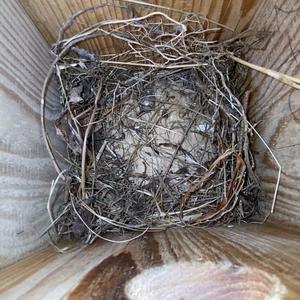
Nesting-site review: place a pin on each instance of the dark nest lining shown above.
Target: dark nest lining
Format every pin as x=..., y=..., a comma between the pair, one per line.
x=157, y=134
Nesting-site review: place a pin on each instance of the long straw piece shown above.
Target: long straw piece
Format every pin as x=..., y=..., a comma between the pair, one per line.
x=289, y=80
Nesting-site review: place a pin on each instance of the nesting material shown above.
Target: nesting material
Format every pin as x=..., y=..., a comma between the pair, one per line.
x=156, y=132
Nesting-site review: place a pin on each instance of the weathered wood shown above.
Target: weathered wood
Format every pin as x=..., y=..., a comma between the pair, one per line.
x=273, y=104
x=252, y=260
x=49, y=15
x=276, y=106
x=246, y=262
x=25, y=168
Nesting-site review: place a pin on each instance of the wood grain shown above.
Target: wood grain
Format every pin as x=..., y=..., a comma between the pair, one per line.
x=274, y=105
x=277, y=107
x=237, y=262
x=25, y=168
x=252, y=260
x=49, y=15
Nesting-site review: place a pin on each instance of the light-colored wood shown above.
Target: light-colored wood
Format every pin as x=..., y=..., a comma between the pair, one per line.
x=49, y=15
x=25, y=168
x=248, y=262
x=277, y=107
x=273, y=104
x=233, y=263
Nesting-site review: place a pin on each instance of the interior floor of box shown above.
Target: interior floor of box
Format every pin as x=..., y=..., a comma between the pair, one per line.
x=104, y=269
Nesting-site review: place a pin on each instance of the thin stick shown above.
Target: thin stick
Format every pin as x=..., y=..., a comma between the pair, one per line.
x=49, y=202
x=177, y=10
x=114, y=22
x=55, y=220
x=99, y=154
x=158, y=66
x=84, y=147
x=277, y=163
x=102, y=237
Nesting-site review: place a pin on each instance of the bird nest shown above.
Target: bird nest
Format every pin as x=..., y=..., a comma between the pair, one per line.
x=156, y=131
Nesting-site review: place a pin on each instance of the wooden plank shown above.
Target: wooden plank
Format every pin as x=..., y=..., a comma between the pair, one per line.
x=249, y=262
x=241, y=262
x=276, y=106
x=49, y=15
x=25, y=168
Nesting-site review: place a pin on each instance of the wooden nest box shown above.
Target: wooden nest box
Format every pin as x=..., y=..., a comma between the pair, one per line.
x=249, y=261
